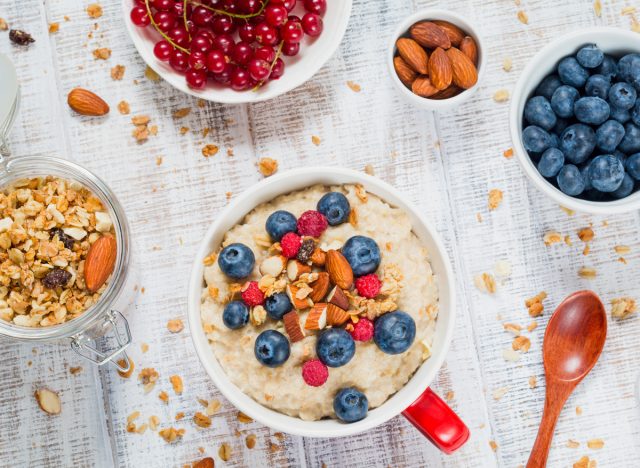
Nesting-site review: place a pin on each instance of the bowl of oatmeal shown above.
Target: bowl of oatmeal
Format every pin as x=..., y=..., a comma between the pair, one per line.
x=321, y=304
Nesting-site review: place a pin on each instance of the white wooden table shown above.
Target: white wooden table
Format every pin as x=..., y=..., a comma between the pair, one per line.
x=445, y=163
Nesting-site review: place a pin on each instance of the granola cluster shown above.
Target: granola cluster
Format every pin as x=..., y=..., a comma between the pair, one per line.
x=47, y=226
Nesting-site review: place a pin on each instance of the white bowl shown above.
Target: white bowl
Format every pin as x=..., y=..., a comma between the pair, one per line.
x=401, y=30
x=285, y=183
x=612, y=41
x=313, y=55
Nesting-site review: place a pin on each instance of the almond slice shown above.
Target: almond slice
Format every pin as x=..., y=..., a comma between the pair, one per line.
x=335, y=315
x=99, y=263
x=273, y=265
x=48, y=400
x=317, y=318
x=339, y=269
x=299, y=304
x=320, y=287
x=293, y=327
x=338, y=298
x=295, y=269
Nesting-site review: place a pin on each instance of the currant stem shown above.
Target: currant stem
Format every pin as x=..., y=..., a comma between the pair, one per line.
x=184, y=18
x=232, y=15
x=273, y=63
x=157, y=28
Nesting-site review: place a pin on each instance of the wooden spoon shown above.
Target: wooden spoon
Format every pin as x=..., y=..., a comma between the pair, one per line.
x=572, y=344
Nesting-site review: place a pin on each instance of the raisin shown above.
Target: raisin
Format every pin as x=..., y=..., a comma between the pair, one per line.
x=20, y=37
x=56, y=278
x=306, y=249
x=62, y=237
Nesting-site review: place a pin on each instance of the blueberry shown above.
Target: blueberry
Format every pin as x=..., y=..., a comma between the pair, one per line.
x=609, y=135
x=635, y=113
x=538, y=112
x=631, y=141
x=555, y=140
x=363, y=255
x=584, y=172
x=632, y=165
x=625, y=189
x=570, y=180
x=272, y=348
x=622, y=95
x=629, y=70
x=335, y=347
x=335, y=207
x=621, y=156
x=394, y=332
x=277, y=305
x=571, y=72
x=590, y=56
x=621, y=115
x=548, y=85
x=609, y=67
x=591, y=110
x=236, y=261
x=279, y=223
x=350, y=405
x=535, y=139
x=577, y=143
x=606, y=173
x=597, y=86
x=235, y=315
x=551, y=162
x=563, y=100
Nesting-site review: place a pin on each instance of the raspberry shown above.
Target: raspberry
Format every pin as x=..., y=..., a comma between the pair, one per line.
x=251, y=294
x=290, y=244
x=314, y=372
x=363, y=330
x=369, y=285
x=312, y=223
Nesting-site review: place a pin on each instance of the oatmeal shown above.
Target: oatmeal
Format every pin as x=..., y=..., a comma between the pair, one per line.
x=57, y=250
x=321, y=313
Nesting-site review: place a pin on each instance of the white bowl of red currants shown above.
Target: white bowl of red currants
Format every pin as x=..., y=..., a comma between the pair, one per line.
x=575, y=120
x=236, y=51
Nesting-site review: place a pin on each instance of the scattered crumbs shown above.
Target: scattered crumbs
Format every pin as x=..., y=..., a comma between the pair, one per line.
x=449, y=395
x=212, y=407
x=532, y=326
x=123, y=363
x=171, y=434
x=586, y=250
x=533, y=381
x=479, y=217
x=123, y=107
x=585, y=462
x=315, y=140
x=534, y=304
x=507, y=64
x=163, y=396
x=493, y=445
x=182, y=112
x=495, y=198
x=267, y=166
x=502, y=95
x=228, y=195
x=622, y=307
x=54, y=28
x=175, y=325
x=605, y=223
x=508, y=153
x=586, y=234
x=209, y=150
x=503, y=268
x=94, y=10
x=499, y=392
x=159, y=160
x=368, y=169
x=75, y=370
x=144, y=347
x=595, y=444
x=201, y=103
x=154, y=422
x=597, y=8
x=512, y=328
x=102, y=53
x=141, y=132
x=567, y=240
x=66, y=18
x=587, y=273
x=485, y=282
x=353, y=86
x=3, y=24
x=205, y=132
x=250, y=441
x=224, y=452
x=551, y=237
x=201, y=420
x=578, y=410
x=523, y=17
x=117, y=72
x=628, y=10
x=510, y=355
x=521, y=343
x=183, y=130
x=176, y=383
x=622, y=249
x=150, y=74
x=243, y=418
x=573, y=443
x=230, y=151
x=179, y=415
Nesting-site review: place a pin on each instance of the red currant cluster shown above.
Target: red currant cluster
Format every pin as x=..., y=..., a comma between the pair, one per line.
x=236, y=43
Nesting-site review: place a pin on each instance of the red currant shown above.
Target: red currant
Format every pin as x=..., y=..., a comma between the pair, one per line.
x=178, y=9
x=256, y=19
x=200, y=43
x=179, y=36
x=240, y=79
x=290, y=48
x=265, y=53
x=248, y=6
x=196, y=79
x=258, y=69
x=247, y=32
x=224, y=77
x=224, y=42
x=315, y=6
x=206, y=33
x=292, y=31
x=201, y=16
x=266, y=35
x=179, y=61
x=197, y=61
x=242, y=53
x=161, y=5
x=288, y=4
x=216, y=61
x=139, y=16
x=165, y=20
x=230, y=5
x=222, y=25
x=277, y=70
x=163, y=50
x=312, y=24
x=275, y=15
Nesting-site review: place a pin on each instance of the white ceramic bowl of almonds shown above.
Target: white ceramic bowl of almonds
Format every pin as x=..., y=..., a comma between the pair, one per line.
x=403, y=31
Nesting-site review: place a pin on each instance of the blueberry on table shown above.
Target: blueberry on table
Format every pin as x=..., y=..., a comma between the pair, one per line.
x=631, y=141
x=625, y=189
x=563, y=100
x=537, y=111
x=236, y=261
x=632, y=165
x=635, y=114
x=570, y=180
x=279, y=223
x=335, y=207
x=548, y=86
x=590, y=56
x=350, y=405
x=272, y=348
x=394, y=332
x=608, y=68
x=622, y=95
x=621, y=115
x=597, y=86
x=629, y=70
x=591, y=110
x=577, y=143
x=277, y=305
x=363, y=254
x=609, y=135
x=335, y=347
x=606, y=173
x=235, y=315
x=535, y=139
x=551, y=162
x=572, y=73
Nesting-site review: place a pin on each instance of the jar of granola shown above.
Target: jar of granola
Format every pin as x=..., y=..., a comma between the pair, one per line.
x=64, y=251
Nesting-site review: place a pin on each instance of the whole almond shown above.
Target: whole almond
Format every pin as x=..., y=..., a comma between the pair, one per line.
x=440, y=72
x=469, y=48
x=465, y=74
x=404, y=71
x=423, y=87
x=429, y=35
x=48, y=400
x=451, y=91
x=85, y=102
x=339, y=269
x=453, y=32
x=99, y=263
x=414, y=55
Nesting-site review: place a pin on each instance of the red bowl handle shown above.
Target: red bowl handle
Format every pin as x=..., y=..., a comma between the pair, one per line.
x=437, y=422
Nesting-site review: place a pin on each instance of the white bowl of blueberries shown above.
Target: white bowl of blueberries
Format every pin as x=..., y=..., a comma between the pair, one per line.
x=575, y=120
